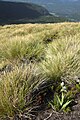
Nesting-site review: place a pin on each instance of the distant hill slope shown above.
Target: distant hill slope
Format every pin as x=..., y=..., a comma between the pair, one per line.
x=64, y=8
x=14, y=10
x=19, y=12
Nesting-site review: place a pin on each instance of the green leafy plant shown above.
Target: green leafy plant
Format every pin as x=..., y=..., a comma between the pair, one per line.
x=61, y=101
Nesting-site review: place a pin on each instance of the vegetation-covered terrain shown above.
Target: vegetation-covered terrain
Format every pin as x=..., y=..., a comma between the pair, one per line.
x=40, y=70
x=11, y=12
x=69, y=9
x=65, y=8
x=18, y=12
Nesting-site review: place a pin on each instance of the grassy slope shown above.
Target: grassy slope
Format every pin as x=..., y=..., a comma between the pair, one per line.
x=27, y=59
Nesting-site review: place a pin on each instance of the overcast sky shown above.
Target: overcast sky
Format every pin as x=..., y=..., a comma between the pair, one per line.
x=38, y=0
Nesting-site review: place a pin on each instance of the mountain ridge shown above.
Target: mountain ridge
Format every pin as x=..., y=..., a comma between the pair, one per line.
x=16, y=10
x=64, y=8
x=19, y=12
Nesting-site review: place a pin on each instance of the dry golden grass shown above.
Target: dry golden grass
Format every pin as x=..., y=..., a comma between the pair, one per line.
x=55, y=60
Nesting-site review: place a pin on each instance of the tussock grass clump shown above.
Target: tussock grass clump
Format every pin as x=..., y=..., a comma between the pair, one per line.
x=21, y=49
x=62, y=59
x=14, y=87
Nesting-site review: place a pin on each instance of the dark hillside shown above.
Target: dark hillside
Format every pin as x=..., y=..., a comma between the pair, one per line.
x=19, y=12
x=15, y=11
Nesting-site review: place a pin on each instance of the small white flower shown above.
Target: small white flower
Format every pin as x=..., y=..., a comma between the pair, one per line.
x=77, y=80
x=62, y=84
x=64, y=87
